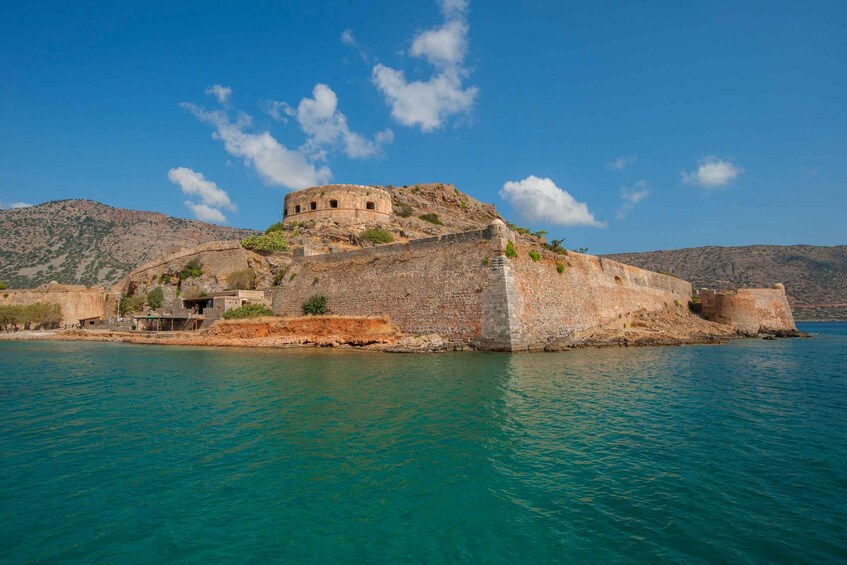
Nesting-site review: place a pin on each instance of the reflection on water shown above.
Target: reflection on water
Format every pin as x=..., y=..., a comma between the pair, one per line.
x=159, y=454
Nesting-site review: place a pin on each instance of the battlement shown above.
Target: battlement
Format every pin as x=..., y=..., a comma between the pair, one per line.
x=344, y=203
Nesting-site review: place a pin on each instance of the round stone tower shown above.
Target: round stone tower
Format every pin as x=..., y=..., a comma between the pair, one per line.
x=338, y=202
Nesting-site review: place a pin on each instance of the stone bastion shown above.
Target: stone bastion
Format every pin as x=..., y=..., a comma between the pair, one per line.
x=338, y=202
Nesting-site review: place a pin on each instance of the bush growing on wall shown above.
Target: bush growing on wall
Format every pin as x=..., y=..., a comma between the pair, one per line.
x=273, y=241
x=155, y=298
x=511, y=252
x=279, y=226
x=192, y=269
x=560, y=268
x=248, y=311
x=535, y=256
x=244, y=279
x=315, y=306
x=2, y=286
x=377, y=236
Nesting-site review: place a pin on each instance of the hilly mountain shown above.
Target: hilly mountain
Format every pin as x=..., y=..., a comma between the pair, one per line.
x=85, y=242
x=815, y=277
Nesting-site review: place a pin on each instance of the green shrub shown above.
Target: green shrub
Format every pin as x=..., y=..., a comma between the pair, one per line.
x=560, y=268
x=191, y=270
x=582, y=250
x=244, y=279
x=556, y=246
x=273, y=241
x=402, y=210
x=2, y=286
x=129, y=304
x=540, y=233
x=511, y=252
x=535, y=256
x=486, y=261
x=248, y=311
x=464, y=205
x=30, y=316
x=377, y=236
x=280, y=276
x=315, y=306
x=279, y=226
x=432, y=219
x=155, y=298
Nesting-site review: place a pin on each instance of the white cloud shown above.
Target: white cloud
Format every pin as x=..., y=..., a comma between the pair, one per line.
x=325, y=126
x=619, y=163
x=348, y=39
x=205, y=213
x=276, y=164
x=192, y=182
x=428, y=104
x=14, y=205
x=222, y=93
x=713, y=173
x=540, y=200
x=631, y=196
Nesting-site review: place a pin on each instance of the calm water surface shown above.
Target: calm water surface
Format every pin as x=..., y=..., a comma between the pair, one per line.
x=120, y=453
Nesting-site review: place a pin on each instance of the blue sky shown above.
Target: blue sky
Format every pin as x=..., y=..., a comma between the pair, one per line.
x=619, y=128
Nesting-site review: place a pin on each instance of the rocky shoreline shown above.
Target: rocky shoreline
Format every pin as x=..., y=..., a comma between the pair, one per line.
x=380, y=334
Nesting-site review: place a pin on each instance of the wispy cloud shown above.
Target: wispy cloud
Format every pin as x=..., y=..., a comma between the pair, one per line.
x=14, y=205
x=712, y=172
x=620, y=163
x=326, y=127
x=631, y=196
x=276, y=164
x=428, y=104
x=538, y=199
x=222, y=93
x=213, y=197
x=348, y=39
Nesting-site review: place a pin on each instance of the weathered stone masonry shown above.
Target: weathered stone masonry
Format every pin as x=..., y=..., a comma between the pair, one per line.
x=462, y=287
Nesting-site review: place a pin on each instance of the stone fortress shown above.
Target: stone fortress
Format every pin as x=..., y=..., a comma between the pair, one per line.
x=470, y=280
x=339, y=202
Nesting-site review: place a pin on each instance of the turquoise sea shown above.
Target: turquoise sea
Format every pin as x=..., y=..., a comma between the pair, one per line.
x=114, y=453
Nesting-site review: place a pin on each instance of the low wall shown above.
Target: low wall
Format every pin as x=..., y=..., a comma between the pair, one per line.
x=749, y=310
x=77, y=302
x=588, y=292
x=433, y=285
x=217, y=256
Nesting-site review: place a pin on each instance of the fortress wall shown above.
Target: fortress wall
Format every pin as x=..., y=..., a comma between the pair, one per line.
x=749, y=310
x=221, y=254
x=77, y=302
x=589, y=292
x=432, y=285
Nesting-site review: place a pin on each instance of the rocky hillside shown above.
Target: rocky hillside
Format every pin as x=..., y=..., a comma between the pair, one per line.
x=85, y=242
x=815, y=277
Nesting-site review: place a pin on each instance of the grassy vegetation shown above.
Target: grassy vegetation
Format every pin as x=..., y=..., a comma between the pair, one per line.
x=248, y=311
x=402, y=210
x=535, y=256
x=273, y=241
x=244, y=279
x=315, y=306
x=511, y=252
x=377, y=236
x=2, y=286
x=560, y=268
x=279, y=226
x=432, y=219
